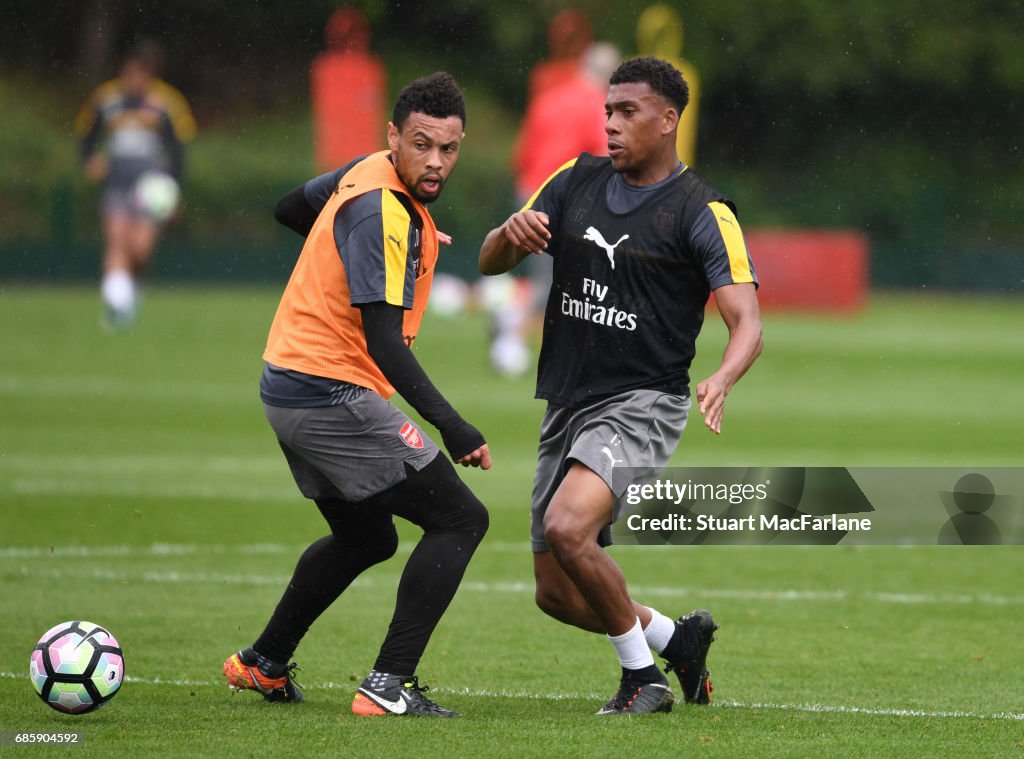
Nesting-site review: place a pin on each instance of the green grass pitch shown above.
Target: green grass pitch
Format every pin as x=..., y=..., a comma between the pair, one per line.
x=141, y=488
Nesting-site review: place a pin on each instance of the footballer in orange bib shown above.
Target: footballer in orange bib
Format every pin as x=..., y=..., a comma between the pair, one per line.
x=339, y=348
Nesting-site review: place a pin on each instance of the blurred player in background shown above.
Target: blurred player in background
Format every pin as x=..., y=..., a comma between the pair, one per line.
x=562, y=120
x=348, y=86
x=339, y=347
x=133, y=132
x=659, y=33
x=510, y=299
x=565, y=119
x=638, y=242
x=570, y=33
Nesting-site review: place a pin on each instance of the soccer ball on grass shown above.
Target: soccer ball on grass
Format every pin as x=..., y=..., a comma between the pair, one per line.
x=77, y=667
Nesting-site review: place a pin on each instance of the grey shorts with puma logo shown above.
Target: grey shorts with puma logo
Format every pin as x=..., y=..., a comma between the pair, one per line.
x=621, y=439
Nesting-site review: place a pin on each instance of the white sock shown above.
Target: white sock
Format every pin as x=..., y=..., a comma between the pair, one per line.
x=632, y=648
x=118, y=290
x=659, y=631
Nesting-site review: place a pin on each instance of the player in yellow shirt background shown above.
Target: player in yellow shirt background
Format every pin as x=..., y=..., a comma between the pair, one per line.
x=133, y=133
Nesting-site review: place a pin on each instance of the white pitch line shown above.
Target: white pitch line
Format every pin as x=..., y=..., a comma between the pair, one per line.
x=165, y=485
x=640, y=591
x=158, y=550
x=185, y=491
x=179, y=549
x=721, y=704
x=870, y=711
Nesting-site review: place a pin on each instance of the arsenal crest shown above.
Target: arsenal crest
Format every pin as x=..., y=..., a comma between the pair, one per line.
x=410, y=436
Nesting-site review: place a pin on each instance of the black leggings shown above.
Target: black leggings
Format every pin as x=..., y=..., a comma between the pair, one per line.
x=363, y=534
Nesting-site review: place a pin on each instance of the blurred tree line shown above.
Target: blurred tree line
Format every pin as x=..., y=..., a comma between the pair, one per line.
x=900, y=119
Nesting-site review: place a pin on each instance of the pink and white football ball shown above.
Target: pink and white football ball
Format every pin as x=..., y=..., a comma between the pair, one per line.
x=77, y=667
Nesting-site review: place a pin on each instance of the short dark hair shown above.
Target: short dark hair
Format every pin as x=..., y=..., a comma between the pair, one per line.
x=661, y=76
x=148, y=53
x=436, y=95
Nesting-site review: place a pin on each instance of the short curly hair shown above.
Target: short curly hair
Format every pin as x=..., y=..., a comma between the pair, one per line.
x=436, y=95
x=661, y=76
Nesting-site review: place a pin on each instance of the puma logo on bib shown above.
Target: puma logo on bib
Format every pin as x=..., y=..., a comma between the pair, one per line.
x=595, y=236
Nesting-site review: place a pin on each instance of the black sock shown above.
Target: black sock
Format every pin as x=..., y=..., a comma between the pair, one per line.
x=324, y=571
x=269, y=668
x=428, y=584
x=380, y=680
x=649, y=674
x=454, y=523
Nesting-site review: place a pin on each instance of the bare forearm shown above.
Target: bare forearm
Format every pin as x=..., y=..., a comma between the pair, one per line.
x=738, y=307
x=522, y=233
x=744, y=346
x=498, y=254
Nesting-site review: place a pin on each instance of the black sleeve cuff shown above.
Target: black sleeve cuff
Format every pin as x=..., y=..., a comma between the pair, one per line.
x=382, y=324
x=461, y=439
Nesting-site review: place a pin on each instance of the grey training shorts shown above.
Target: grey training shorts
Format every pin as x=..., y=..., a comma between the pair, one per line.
x=622, y=439
x=350, y=451
x=119, y=199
